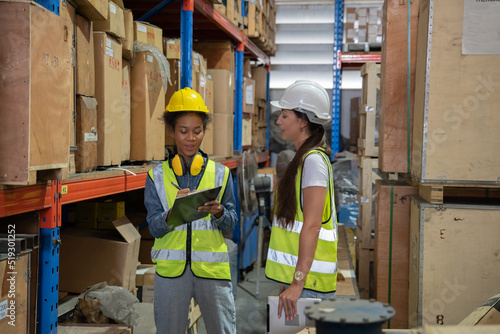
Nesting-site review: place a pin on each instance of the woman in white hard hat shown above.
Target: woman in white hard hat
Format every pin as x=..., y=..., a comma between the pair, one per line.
x=191, y=259
x=303, y=247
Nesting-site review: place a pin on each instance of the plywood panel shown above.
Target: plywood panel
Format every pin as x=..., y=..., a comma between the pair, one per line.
x=454, y=262
x=461, y=141
x=395, y=234
x=86, y=123
x=393, y=84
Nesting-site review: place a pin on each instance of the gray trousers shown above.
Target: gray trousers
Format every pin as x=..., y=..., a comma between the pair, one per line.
x=173, y=295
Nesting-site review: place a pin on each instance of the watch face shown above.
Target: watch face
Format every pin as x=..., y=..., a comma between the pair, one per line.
x=299, y=276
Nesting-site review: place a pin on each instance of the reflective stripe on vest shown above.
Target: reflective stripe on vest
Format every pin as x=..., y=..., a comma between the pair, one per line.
x=209, y=258
x=284, y=244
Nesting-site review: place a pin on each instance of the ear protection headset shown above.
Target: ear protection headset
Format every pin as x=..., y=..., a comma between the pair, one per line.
x=197, y=164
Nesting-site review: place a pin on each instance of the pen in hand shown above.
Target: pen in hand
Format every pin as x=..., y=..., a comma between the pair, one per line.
x=179, y=188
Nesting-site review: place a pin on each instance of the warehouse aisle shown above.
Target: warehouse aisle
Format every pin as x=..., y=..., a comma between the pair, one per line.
x=251, y=314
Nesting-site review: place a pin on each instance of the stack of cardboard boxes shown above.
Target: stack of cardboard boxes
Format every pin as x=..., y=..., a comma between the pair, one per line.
x=261, y=24
x=363, y=24
x=259, y=75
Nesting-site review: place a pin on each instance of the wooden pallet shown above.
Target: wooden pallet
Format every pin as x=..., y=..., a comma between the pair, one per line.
x=435, y=193
x=371, y=84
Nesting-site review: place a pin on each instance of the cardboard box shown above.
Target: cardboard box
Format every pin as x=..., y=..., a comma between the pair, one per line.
x=486, y=314
x=128, y=42
x=246, y=133
x=223, y=91
x=114, y=23
x=94, y=10
x=148, y=105
x=219, y=55
x=247, y=68
x=259, y=74
x=86, y=215
x=86, y=134
x=175, y=78
x=145, y=279
x=207, y=145
x=35, y=92
x=85, y=66
x=248, y=96
x=88, y=257
x=15, y=313
x=108, y=64
x=148, y=33
x=145, y=251
x=223, y=134
x=126, y=110
x=173, y=48
x=282, y=326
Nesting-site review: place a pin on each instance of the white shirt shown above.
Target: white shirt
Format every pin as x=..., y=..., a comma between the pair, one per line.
x=315, y=171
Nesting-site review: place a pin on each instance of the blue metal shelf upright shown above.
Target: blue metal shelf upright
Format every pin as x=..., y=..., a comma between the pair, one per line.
x=337, y=75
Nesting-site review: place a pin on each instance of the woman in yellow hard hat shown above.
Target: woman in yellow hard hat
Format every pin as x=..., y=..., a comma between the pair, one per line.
x=191, y=259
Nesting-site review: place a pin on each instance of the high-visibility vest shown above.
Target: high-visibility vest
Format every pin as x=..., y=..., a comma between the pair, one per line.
x=284, y=244
x=208, y=252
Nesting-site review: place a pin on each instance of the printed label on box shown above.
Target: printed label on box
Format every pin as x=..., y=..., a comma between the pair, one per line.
x=142, y=28
x=89, y=136
x=112, y=8
x=108, y=43
x=249, y=95
x=170, y=41
x=3, y=309
x=202, y=80
x=150, y=58
x=109, y=52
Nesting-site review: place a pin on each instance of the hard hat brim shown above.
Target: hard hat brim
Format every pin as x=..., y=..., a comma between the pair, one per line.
x=277, y=104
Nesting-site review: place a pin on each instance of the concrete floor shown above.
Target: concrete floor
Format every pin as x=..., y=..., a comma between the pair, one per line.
x=251, y=311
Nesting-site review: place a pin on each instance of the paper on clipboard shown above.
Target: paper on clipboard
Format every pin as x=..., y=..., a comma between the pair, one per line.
x=185, y=208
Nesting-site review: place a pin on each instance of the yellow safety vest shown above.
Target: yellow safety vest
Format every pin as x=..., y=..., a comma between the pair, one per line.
x=208, y=251
x=284, y=245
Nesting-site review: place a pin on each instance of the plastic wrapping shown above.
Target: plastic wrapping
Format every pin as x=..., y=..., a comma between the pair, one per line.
x=346, y=185
x=116, y=302
x=160, y=58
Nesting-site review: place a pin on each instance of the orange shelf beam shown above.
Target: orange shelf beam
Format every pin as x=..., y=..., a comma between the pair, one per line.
x=25, y=199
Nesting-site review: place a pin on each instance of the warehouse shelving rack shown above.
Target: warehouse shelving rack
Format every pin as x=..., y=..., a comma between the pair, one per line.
x=49, y=198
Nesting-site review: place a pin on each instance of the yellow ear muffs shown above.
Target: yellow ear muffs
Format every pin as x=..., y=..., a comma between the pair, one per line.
x=197, y=164
x=177, y=165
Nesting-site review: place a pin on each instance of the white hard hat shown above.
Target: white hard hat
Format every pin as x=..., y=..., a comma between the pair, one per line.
x=308, y=97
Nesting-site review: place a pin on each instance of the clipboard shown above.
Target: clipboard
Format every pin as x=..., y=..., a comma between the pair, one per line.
x=185, y=208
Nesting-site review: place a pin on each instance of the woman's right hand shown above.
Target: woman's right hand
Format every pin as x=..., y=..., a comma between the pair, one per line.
x=183, y=192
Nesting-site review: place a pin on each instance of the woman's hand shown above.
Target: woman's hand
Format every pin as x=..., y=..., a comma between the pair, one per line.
x=288, y=300
x=213, y=208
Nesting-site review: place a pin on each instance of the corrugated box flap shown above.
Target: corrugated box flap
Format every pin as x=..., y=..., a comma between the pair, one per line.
x=126, y=229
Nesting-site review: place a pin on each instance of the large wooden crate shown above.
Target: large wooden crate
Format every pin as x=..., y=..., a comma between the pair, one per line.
x=393, y=84
x=392, y=247
x=456, y=118
x=35, y=90
x=454, y=264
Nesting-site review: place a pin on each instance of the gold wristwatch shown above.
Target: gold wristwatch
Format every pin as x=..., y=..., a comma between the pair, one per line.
x=299, y=276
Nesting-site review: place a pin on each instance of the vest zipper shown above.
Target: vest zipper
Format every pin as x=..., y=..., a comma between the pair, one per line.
x=188, y=243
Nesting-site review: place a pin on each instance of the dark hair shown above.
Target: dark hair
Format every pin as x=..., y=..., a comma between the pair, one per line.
x=170, y=118
x=285, y=200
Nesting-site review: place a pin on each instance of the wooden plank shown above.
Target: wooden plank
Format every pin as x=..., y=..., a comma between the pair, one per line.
x=371, y=84
x=354, y=123
x=368, y=142
x=448, y=280
x=364, y=261
x=393, y=84
x=347, y=286
x=368, y=171
x=398, y=263
x=436, y=193
x=461, y=139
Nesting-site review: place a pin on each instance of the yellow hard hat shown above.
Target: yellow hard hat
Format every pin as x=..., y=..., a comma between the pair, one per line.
x=186, y=99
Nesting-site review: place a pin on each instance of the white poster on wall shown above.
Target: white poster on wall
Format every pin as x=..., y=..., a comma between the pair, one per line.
x=481, y=27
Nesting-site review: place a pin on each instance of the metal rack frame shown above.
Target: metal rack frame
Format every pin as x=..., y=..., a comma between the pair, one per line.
x=49, y=198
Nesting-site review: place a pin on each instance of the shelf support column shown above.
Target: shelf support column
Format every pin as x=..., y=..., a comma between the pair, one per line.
x=187, y=43
x=238, y=96
x=268, y=99
x=50, y=240
x=337, y=75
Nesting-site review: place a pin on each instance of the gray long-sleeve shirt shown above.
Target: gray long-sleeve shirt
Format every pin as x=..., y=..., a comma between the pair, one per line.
x=156, y=217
